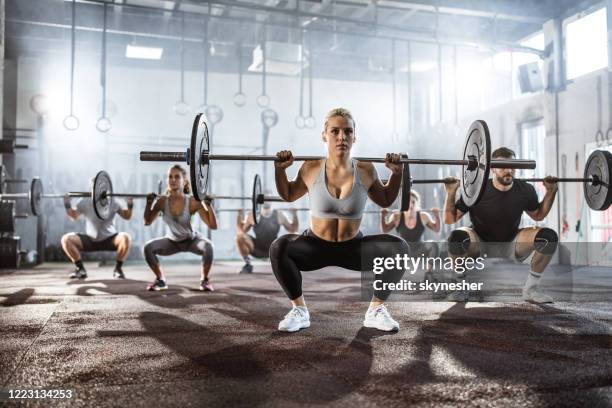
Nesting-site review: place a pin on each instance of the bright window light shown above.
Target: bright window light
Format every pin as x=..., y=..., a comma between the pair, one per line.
x=150, y=53
x=534, y=41
x=586, y=44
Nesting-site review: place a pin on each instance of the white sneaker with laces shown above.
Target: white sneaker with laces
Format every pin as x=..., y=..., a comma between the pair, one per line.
x=534, y=295
x=297, y=318
x=379, y=318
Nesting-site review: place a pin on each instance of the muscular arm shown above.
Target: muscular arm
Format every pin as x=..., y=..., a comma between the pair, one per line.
x=152, y=210
x=126, y=213
x=291, y=190
x=243, y=223
x=382, y=194
x=389, y=221
x=544, y=207
x=205, y=211
x=451, y=213
x=72, y=213
x=431, y=221
x=292, y=226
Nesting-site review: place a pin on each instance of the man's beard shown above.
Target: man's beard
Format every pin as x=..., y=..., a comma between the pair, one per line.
x=505, y=180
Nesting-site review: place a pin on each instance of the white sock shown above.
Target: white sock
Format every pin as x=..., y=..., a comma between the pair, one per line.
x=533, y=280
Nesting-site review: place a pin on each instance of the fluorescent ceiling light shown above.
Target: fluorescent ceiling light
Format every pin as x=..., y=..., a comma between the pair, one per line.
x=151, y=53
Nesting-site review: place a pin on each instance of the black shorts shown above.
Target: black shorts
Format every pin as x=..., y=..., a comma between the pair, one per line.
x=261, y=248
x=89, y=245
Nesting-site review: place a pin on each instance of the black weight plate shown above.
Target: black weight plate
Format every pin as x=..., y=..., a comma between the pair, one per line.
x=198, y=165
x=597, y=195
x=257, y=192
x=406, y=185
x=7, y=146
x=7, y=217
x=2, y=178
x=478, y=146
x=100, y=194
x=36, y=193
x=9, y=252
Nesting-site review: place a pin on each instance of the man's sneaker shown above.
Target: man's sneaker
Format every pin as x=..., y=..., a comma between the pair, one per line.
x=159, y=284
x=206, y=286
x=118, y=273
x=379, y=318
x=78, y=274
x=534, y=295
x=247, y=268
x=297, y=318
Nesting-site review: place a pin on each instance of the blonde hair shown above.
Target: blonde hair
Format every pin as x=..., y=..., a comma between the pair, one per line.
x=186, y=186
x=345, y=113
x=417, y=197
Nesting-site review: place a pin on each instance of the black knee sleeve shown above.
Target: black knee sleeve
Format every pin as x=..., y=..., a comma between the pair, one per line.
x=458, y=242
x=208, y=253
x=546, y=241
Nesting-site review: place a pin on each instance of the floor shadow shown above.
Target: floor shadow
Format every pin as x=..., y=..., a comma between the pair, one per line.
x=18, y=298
x=531, y=346
x=276, y=366
x=176, y=297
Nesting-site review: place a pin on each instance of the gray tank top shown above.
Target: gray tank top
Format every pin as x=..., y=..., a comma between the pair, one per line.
x=324, y=205
x=179, y=226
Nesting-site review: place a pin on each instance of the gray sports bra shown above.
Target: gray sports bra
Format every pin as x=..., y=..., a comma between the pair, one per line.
x=324, y=205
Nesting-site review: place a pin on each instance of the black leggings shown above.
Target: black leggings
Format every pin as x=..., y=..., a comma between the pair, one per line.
x=293, y=253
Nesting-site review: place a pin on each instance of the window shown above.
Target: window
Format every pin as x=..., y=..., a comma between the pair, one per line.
x=586, y=43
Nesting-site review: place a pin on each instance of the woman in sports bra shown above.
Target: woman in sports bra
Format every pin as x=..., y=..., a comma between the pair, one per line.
x=177, y=207
x=338, y=187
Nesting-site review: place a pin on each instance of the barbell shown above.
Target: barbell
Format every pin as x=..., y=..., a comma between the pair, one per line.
x=596, y=180
x=596, y=184
x=476, y=161
x=8, y=146
x=101, y=194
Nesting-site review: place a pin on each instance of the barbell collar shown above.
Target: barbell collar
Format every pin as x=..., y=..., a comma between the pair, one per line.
x=14, y=196
x=77, y=194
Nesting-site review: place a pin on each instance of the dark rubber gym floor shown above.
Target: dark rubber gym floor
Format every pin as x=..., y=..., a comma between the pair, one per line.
x=118, y=345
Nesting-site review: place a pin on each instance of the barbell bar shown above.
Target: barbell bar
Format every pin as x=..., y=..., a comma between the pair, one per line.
x=471, y=162
x=101, y=195
x=596, y=180
x=8, y=146
x=476, y=161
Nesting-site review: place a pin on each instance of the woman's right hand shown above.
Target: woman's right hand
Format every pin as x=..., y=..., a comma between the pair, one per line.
x=284, y=159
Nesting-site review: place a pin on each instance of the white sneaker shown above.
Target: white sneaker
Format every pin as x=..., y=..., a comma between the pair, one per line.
x=379, y=318
x=297, y=318
x=534, y=295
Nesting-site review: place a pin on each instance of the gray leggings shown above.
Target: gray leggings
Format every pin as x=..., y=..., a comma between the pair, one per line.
x=166, y=246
